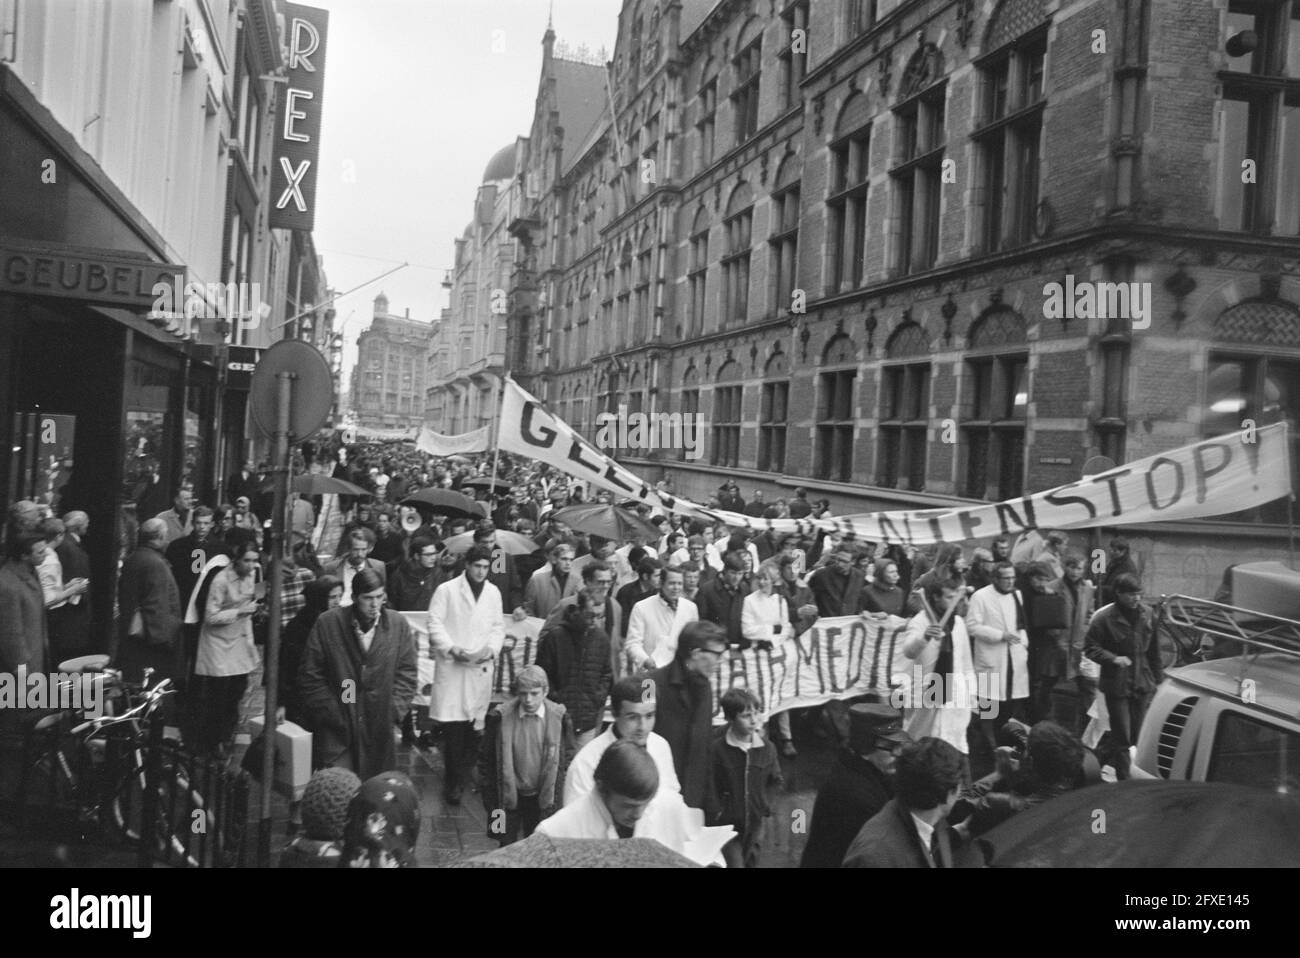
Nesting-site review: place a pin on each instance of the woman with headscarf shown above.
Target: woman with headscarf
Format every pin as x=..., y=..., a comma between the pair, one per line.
x=321, y=595
x=383, y=824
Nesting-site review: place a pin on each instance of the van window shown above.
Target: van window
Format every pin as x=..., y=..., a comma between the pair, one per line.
x=1248, y=752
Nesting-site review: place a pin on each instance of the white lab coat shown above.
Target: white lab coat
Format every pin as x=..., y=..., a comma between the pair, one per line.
x=461, y=692
x=946, y=721
x=989, y=616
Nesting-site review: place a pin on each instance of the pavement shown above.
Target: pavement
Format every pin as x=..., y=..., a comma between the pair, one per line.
x=448, y=834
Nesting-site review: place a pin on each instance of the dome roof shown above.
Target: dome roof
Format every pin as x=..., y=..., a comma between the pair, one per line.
x=502, y=165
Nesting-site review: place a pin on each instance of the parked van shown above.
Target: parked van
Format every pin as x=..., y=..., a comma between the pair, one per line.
x=1236, y=716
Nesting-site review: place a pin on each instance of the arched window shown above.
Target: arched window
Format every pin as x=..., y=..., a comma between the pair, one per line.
x=748, y=65
x=997, y=400
x=846, y=203
x=1254, y=373
x=904, y=409
x=735, y=264
x=773, y=414
x=728, y=395
x=690, y=406
x=784, y=241
x=1010, y=124
x=836, y=416
x=706, y=113
x=625, y=295
x=918, y=161
x=645, y=254
x=635, y=402
x=697, y=279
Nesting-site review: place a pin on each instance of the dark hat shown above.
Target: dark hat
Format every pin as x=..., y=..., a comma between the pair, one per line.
x=870, y=721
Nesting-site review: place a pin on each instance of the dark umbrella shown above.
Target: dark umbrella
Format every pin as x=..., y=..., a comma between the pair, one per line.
x=511, y=543
x=486, y=482
x=542, y=851
x=607, y=521
x=1152, y=824
x=308, y=485
x=444, y=502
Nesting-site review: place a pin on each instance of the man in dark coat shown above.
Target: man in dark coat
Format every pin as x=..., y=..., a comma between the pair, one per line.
x=684, y=705
x=859, y=786
x=190, y=553
x=70, y=623
x=835, y=588
x=412, y=584
x=149, y=610
x=1122, y=637
x=912, y=830
x=722, y=600
x=24, y=640
x=356, y=681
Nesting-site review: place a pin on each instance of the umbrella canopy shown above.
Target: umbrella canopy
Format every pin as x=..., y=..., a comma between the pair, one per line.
x=308, y=485
x=512, y=543
x=607, y=521
x=542, y=851
x=1152, y=824
x=457, y=457
x=444, y=502
x=486, y=482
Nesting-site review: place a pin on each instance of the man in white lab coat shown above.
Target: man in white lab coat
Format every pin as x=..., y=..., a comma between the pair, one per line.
x=622, y=803
x=466, y=632
x=996, y=622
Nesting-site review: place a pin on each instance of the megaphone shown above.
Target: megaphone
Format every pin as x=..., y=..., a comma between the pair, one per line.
x=410, y=519
x=350, y=436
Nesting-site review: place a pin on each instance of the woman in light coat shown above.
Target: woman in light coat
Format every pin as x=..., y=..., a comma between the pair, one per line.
x=466, y=632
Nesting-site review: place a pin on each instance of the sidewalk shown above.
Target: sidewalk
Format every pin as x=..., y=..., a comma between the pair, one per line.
x=448, y=834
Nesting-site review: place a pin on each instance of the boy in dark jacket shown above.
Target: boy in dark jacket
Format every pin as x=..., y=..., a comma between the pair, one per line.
x=742, y=766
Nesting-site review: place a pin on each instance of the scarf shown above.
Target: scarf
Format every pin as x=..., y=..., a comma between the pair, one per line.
x=475, y=587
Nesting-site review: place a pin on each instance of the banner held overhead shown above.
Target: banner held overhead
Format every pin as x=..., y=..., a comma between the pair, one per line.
x=1213, y=477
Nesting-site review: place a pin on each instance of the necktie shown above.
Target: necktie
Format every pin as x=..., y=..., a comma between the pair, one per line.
x=936, y=848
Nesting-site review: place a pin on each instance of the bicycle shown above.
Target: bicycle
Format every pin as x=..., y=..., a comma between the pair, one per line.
x=100, y=766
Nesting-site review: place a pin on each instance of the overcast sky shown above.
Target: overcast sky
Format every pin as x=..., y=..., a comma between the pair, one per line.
x=416, y=103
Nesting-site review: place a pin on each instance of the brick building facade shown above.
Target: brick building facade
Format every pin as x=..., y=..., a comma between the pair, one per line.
x=828, y=229
x=388, y=379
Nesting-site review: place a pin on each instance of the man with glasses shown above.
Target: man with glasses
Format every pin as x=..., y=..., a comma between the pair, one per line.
x=683, y=692
x=1122, y=639
x=836, y=590
x=412, y=586
x=859, y=786
x=996, y=622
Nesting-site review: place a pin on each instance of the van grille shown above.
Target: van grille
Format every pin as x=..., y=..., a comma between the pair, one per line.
x=1170, y=733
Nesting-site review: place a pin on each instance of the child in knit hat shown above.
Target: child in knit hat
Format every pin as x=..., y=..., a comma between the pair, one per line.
x=324, y=816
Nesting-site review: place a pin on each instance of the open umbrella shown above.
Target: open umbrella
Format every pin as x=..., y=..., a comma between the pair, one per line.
x=511, y=543
x=1152, y=824
x=444, y=502
x=542, y=851
x=309, y=485
x=487, y=482
x=607, y=521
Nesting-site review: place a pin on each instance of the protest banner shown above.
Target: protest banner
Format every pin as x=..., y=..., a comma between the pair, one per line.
x=518, y=650
x=839, y=657
x=436, y=444
x=1208, y=478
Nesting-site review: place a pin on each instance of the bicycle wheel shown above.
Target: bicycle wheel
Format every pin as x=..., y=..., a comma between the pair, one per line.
x=180, y=811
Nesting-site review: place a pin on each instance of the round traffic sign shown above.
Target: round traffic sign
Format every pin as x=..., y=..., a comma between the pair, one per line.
x=1097, y=465
x=312, y=389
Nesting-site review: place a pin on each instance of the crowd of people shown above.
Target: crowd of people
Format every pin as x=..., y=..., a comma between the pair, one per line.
x=634, y=629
